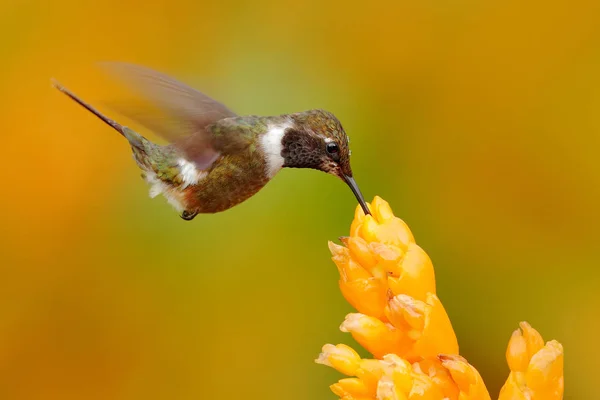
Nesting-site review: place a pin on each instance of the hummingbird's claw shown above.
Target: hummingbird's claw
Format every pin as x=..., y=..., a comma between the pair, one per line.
x=188, y=216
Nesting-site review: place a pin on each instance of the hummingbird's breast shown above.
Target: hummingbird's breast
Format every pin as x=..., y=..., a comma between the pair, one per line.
x=232, y=180
x=239, y=174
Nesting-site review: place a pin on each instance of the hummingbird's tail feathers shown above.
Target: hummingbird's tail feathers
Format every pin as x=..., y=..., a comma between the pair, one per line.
x=134, y=138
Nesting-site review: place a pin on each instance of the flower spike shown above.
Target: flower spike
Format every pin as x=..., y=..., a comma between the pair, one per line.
x=401, y=321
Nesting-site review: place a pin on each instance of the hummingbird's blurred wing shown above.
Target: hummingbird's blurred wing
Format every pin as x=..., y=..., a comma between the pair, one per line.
x=171, y=109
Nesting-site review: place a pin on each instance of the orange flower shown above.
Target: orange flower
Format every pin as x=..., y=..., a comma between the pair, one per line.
x=390, y=281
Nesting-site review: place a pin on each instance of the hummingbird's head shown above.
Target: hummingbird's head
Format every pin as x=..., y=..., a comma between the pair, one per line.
x=317, y=140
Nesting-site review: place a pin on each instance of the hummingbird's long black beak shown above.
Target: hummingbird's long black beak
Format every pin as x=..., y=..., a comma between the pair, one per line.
x=352, y=183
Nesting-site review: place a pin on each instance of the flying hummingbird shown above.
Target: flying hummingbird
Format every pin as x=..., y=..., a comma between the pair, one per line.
x=216, y=159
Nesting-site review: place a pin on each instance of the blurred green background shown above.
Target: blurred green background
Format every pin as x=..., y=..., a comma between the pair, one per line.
x=477, y=120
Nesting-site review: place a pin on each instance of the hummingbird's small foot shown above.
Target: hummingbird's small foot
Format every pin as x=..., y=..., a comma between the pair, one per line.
x=188, y=216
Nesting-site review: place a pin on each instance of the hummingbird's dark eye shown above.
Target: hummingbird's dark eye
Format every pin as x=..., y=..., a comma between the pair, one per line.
x=333, y=150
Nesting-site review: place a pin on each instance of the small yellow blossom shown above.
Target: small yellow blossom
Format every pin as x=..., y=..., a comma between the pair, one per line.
x=341, y=357
x=425, y=323
x=536, y=370
x=401, y=321
x=466, y=377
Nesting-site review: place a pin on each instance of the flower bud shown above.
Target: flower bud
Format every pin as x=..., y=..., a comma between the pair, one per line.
x=341, y=357
x=350, y=387
x=426, y=324
x=374, y=335
x=536, y=369
x=368, y=296
x=466, y=377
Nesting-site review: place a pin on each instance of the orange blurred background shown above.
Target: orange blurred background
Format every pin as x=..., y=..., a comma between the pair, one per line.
x=477, y=121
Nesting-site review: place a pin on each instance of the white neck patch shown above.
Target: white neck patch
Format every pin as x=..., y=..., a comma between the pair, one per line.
x=190, y=175
x=272, y=147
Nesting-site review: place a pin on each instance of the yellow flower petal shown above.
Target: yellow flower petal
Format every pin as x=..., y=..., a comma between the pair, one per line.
x=394, y=232
x=407, y=314
x=349, y=269
x=387, y=390
x=341, y=357
x=361, y=253
x=353, y=387
x=370, y=372
x=424, y=389
x=382, y=226
x=438, y=335
x=381, y=210
x=513, y=391
x=425, y=323
x=388, y=258
x=545, y=372
x=417, y=277
x=368, y=296
x=337, y=251
x=516, y=352
x=359, y=217
x=466, y=377
x=374, y=335
x=400, y=371
x=534, y=340
x=439, y=375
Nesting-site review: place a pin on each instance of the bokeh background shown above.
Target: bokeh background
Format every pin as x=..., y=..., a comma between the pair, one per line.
x=477, y=120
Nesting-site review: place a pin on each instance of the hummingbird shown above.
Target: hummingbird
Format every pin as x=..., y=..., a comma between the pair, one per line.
x=215, y=159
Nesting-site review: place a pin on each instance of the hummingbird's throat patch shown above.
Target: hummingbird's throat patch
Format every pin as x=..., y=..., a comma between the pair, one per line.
x=271, y=144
